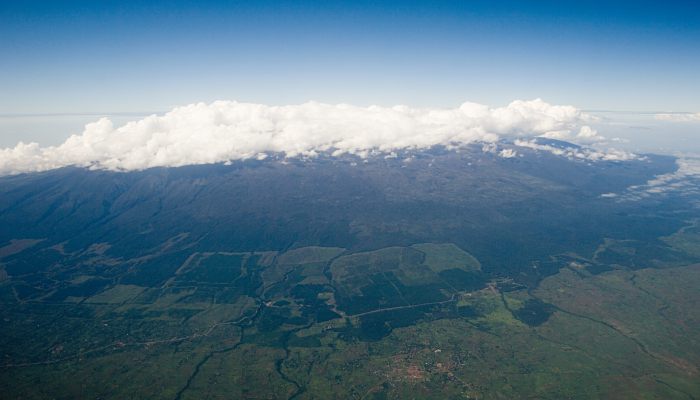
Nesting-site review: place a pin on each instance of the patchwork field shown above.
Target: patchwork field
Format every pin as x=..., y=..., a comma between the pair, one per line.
x=314, y=322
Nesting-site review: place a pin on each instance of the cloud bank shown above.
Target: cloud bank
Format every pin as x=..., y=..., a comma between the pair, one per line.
x=227, y=131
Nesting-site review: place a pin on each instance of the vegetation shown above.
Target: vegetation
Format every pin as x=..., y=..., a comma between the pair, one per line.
x=452, y=275
x=384, y=324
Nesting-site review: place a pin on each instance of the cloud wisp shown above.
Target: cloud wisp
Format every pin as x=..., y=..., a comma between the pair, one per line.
x=227, y=131
x=579, y=153
x=683, y=181
x=678, y=117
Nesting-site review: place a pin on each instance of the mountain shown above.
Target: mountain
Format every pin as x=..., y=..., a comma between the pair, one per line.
x=305, y=266
x=501, y=210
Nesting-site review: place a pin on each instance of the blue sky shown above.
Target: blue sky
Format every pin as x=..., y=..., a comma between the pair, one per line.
x=78, y=57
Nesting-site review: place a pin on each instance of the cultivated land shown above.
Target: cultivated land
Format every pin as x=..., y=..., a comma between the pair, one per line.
x=325, y=322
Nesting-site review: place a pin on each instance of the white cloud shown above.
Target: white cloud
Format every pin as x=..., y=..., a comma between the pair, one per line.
x=224, y=131
x=585, y=135
x=507, y=153
x=580, y=153
x=678, y=117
